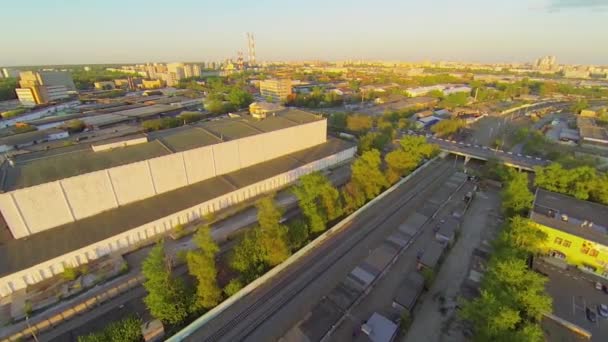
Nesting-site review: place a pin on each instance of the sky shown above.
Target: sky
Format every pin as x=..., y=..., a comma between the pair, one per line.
x=37, y=32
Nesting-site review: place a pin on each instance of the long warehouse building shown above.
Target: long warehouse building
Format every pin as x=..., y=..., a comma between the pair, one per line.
x=69, y=206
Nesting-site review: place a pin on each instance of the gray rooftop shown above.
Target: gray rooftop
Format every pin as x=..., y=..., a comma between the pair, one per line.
x=25, y=138
x=45, y=166
x=432, y=252
x=549, y=208
x=19, y=254
x=409, y=290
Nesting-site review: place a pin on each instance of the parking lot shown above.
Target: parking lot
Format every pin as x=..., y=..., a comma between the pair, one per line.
x=572, y=295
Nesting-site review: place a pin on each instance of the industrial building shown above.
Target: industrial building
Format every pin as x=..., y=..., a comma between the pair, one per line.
x=71, y=206
x=44, y=87
x=577, y=230
x=276, y=89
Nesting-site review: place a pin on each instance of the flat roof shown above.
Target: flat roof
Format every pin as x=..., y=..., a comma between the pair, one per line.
x=549, y=206
x=432, y=252
x=46, y=166
x=56, y=118
x=27, y=137
x=142, y=112
x=409, y=290
x=19, y=254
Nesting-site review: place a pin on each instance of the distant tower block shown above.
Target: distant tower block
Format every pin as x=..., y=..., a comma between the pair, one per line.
x=251, y=48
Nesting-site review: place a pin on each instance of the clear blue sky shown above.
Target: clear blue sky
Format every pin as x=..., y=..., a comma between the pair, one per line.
x=115, y=31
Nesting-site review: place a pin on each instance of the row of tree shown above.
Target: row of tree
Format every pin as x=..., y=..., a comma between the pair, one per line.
x=270, y=242
x=585, y=183
x=513, y=298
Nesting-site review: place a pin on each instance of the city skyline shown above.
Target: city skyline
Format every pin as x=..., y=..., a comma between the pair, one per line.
x=66, y=32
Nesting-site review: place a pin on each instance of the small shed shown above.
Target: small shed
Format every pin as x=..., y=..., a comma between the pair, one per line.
x=379, y=328
x=446, y=230
x=409, y=292
x=429, y=257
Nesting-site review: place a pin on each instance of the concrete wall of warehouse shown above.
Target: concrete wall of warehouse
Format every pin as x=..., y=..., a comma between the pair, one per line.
x=130, y=239
x=45, y=206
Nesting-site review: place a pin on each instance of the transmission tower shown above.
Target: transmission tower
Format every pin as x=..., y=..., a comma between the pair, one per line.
x=251, y=48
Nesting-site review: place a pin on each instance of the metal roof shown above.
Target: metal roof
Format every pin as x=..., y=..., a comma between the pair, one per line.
x=19, y=254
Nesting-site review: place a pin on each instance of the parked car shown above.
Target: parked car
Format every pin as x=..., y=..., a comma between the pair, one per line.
x=602, y=310
x=591, y=316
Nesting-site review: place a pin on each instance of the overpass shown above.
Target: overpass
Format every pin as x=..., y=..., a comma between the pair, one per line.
x=479, y=152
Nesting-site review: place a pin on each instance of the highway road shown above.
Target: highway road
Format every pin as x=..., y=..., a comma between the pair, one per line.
x=267, y=312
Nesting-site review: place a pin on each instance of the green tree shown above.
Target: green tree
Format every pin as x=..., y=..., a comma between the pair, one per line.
x=367, y=175
x=7, y=89
x=167, y=299
x=201, y=265
x=297, y=234
x=239, y=98
x=521, y=234
x=448, y=127
x=125, y=330
x=516, y=197
x=263, y=246
x=398, y=164
x=579, y=105
x=233, y=286
x=318, y=199
x=359, y=123
x=455, y=100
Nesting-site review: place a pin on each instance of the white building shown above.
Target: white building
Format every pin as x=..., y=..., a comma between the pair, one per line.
x=215, y=165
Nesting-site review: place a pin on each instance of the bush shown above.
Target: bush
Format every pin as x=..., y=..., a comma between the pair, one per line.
x=126, y=330
x=179, y=231
x=429, y=277
x=159, y=124
x=70, y=273
x=189, y=117
x=405, y=322
x=234, y=286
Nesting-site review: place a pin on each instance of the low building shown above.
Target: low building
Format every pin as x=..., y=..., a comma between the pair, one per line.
x=261, y=110
x=446, y=231
x=379, y=328
x=18, y=141
x=591, y=135
x=420, y=91
x=427, y=122
x=105, y=85
x=409, y=291
x=430, y=255
x=455, y=90
x=577, y=230
x=152, y=84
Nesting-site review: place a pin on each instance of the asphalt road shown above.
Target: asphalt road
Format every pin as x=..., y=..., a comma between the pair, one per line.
x=268, y=312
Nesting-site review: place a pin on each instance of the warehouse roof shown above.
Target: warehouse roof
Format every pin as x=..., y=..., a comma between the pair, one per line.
x=19, y=254
x=56, y=118
x=549, y=208
x=143, y=112
x=47, y=166
x=25, y=138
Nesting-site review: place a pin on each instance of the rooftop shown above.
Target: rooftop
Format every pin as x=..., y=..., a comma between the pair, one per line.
x=19, y=254
x=432, y=253
x=409, y=290
x=45, y=166
x=381, y=329
x=28, y=137
x=549, y=208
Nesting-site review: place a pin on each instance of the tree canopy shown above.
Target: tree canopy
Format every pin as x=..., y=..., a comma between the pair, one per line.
x=201, y=265
x=359, y=123
x=448, y=127
x=584, y=182
x=125, y=330
x=263, y=246
x=513, y=297
x=167, y=298
x=367, y=175
x=411, y=151
x=516, y=197
x=318, y=199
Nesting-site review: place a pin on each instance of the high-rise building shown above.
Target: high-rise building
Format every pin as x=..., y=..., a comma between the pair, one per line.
x=174, y=73
x=10, y=73
x=276, y=89
x=43, y=87
x=546, y=63
x=192, y=70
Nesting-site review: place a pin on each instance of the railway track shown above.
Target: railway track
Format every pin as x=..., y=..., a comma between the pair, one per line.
x=271, y=299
